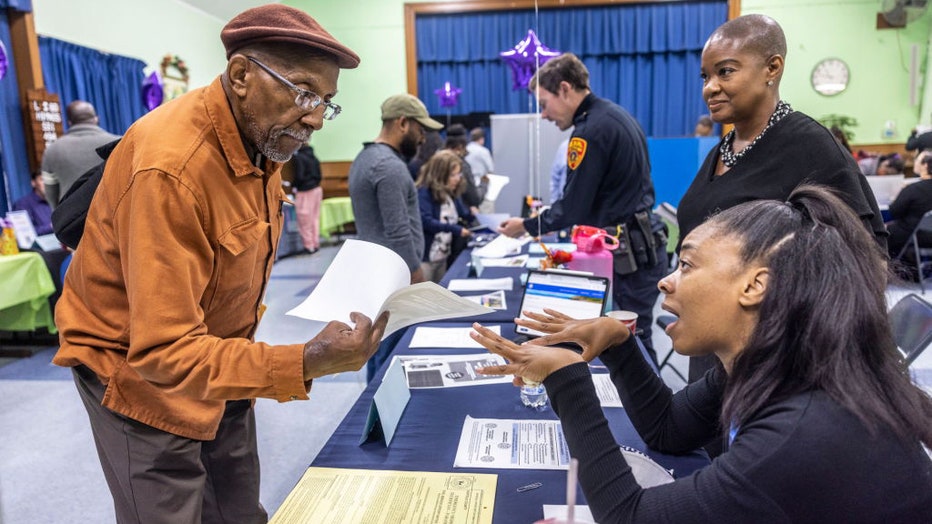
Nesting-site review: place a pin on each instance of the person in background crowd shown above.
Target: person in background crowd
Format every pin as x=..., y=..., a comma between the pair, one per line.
x=704, y=126
x=919, y=141
x=841, y=137
x=474, y=193
x=75, y=152
x=40, y=213
x=385, y=202
x=308, y=196
x=913, y=201
x=891, y=164
x=480, y=162
x=772, y=148
x=431, y=144
x=442, y=211
x=163, y=298
x=608, y=185
x=824, y=423
x=558, y=171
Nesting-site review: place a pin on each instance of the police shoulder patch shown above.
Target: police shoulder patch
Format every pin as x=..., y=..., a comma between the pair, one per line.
x=576, y=152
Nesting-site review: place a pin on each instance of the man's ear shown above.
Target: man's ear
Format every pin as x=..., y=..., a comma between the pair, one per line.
x=236, y=73
x=756, y=281
x=565, y=88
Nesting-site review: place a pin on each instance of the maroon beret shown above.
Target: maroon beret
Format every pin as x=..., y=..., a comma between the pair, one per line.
x=281, y=23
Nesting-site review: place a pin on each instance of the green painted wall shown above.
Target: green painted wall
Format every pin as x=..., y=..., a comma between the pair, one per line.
x=878, y=61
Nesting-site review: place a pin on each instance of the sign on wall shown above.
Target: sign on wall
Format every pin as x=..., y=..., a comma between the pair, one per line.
x=43, y=112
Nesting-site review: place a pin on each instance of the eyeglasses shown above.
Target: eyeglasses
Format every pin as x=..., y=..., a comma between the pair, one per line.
x=306, y=100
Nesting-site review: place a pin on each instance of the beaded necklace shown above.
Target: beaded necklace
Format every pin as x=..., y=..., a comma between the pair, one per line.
x=729, y=157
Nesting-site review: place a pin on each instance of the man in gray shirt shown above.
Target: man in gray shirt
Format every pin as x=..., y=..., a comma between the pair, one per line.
x=384, y=199
x=383, y=195
x=73, y=153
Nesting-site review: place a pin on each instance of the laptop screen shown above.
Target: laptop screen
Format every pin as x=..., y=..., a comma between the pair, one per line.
x=578, y=296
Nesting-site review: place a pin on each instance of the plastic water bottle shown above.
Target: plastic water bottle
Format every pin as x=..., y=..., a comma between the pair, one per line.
x=533, y=394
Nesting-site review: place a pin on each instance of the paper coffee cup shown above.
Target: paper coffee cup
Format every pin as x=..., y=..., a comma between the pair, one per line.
x=628, y=318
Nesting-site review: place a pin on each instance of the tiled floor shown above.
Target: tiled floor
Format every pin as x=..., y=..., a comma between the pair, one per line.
x=48, y=466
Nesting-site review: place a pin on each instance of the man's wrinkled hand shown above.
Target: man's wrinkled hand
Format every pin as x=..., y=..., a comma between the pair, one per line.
x=339, y=347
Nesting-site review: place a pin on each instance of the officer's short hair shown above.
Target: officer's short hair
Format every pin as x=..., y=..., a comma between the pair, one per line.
x=564, y=68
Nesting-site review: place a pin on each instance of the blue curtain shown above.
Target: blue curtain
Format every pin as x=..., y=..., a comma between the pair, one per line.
x=13, y=157
x=19, y=5
x=112, y=83
x=645, y=57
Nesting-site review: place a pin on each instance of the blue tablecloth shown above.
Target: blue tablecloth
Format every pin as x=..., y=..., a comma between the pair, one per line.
x=428, y=434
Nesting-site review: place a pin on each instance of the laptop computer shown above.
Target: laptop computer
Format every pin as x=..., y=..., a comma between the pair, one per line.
x=574, y=294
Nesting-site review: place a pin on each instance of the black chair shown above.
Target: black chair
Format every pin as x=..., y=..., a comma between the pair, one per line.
x=911, y=323
x=663, y=321
x=924, y=226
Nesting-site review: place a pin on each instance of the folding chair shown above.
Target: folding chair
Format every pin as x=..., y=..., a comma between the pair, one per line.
x=924, y=225
x=911, y=323
x=663, y=321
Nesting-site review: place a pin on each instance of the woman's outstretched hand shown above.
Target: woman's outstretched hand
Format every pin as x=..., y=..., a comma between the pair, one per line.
x=593, y=335
x=531, y=362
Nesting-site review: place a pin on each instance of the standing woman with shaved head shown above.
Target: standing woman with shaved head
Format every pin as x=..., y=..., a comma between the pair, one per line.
x=772, y=148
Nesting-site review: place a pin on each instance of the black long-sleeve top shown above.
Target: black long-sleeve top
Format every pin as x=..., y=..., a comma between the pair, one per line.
x=802, y=459
x=795, y=150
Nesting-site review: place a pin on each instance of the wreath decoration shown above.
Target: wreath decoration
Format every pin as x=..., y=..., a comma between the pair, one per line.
x=175, y=62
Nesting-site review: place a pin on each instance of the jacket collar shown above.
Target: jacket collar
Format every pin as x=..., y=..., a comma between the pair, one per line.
x=231, y=141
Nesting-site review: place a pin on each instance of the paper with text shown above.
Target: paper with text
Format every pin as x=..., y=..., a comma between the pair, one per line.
x=451, y=371
x=370, y=278
x=605, y=389
x=501, y=246
x=363, y=496
x=512, y=444
x=494, y=300
x=446, y=337
x=481, y=284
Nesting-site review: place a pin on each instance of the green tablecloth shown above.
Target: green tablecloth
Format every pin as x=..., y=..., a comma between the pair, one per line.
x=25, y=286
x=334, y=213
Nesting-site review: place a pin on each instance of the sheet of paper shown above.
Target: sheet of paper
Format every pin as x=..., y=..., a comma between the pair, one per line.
x=446, y=337
x=365, y=496
x=608, y=395
x=48, y=242
x=512, y=444
x=496, y=183
x=22, y=227
x=481, y=284
x=502, y=246
x=494, y=300
x=426, y=301
x=370, y=278
x=360, y=278
x=451, y=371
x=535, y=249
x=581, y=514
x=490, y=221
x=518, y=261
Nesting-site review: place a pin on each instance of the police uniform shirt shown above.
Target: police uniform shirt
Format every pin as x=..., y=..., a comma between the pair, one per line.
x=608, y=171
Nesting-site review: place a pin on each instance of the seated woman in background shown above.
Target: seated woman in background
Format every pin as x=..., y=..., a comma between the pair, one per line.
x=823, y=422
x=913, y=201
x=439, y=187
x=891, y=164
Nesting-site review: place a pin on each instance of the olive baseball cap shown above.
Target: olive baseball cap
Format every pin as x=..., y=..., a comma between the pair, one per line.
x=405, y=105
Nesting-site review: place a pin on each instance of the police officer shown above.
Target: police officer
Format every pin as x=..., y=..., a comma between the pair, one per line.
x=608, y=185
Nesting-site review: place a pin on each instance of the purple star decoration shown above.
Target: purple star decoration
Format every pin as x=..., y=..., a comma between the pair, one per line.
x=449, y=95
x=4, y=61
x=523, y=59
x=152, y=93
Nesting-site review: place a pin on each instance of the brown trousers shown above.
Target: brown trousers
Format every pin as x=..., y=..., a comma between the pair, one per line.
x=158, y=477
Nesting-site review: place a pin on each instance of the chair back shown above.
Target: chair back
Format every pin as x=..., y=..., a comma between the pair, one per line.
x=925, y=223
x=911, y=322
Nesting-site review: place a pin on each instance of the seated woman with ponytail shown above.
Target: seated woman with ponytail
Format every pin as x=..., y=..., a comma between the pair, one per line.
x=822, y=420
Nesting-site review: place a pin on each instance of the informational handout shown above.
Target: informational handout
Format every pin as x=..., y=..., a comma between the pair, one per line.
x=496, y=183
x=481, y=284
x=490, y=221
x=516, y=261
x=501, y=246
x=512, y=444
x=368, y=496
x=494, y=300
x=451, y=371
x=22, y=227
x=605, y=389
x=581, y=514
x=446, y=337
x=370, y=278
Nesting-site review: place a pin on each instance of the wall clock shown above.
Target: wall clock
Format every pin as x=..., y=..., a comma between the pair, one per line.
x=830, y=76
